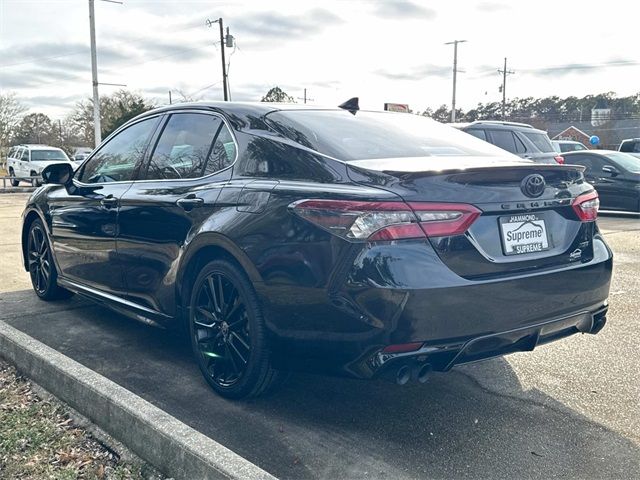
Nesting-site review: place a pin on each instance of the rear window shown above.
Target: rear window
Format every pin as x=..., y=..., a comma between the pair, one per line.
x=47, y=155
x=372, y=135
x=540, y=140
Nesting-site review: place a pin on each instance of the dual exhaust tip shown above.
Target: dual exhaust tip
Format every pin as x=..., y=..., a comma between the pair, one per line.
x=416, y=372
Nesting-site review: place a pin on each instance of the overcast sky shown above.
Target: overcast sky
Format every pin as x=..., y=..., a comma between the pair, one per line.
x=379, y=50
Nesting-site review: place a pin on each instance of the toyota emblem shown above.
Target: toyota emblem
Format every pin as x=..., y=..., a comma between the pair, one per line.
x=533, y=185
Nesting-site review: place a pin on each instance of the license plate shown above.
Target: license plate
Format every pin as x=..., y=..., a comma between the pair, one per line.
x=524, y=233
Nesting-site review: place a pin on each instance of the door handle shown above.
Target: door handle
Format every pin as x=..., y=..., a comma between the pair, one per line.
x=109, y=201
x=190, y=202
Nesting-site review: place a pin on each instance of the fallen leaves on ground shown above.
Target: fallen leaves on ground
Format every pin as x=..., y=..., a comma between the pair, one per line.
x=39, y=440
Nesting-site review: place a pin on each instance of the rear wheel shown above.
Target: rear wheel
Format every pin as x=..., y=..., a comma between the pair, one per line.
x=14, y=181
x=40, y=263
x=228, y=335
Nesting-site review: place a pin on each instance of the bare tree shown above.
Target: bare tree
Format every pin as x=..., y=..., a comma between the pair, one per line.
x=11, y=111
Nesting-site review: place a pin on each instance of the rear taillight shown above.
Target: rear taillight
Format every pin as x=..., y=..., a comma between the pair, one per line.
x=586, y=206
x=443, y=219
x=376, y=221
x=559, y=159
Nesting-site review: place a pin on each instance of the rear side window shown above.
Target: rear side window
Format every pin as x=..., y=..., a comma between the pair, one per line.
x=503, y=139
x=541, y=141
x=476, y=132
x=584, y=160
x=627, y=146
x=191, y=145
x=117, y=160
x=520, y=146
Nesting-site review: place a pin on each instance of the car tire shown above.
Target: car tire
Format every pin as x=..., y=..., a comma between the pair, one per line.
x=228, y=333
x=14, y=181
x=37, y=182
x=42, y=270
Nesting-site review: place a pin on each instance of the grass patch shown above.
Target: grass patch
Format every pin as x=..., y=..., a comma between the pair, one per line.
x=39, y=440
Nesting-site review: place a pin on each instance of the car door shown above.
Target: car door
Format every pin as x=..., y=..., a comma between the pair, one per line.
x=175, y=194
x=84, y=216
x=11, y=159
x=23, y=163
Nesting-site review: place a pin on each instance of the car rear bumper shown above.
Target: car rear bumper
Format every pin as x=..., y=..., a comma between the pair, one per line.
x=441, y=357
x=403, y=293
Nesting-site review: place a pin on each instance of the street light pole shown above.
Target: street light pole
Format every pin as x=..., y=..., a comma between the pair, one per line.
x=455, y=75
x=94, y=76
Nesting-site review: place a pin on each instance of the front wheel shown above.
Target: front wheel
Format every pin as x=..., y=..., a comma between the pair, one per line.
x=14, y=182
x=41, y=268
x=228, y=334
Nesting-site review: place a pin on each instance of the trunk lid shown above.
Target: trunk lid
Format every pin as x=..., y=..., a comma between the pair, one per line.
x=518, y=229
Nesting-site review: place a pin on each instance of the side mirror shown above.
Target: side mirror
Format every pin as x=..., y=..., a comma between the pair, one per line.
x=610, y=169
x=58, y=174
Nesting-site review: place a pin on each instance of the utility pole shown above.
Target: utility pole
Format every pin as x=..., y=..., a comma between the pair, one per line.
x=455, y=74
x=305, y=98
x=94, y=76
x=504, y=73
x=229, y=43
x=169, y=97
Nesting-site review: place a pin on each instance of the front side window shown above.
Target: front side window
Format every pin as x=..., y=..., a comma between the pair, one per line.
x=116, y=161
x=25, y=155
x=191, y=145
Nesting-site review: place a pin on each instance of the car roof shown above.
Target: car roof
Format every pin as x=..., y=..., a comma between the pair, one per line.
x=500, y=125
x=37, y=146
x=243, y=115
x=594, y=152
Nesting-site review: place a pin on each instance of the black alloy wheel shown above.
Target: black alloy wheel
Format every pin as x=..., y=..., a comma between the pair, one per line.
x=228, y=336
x=41, y=267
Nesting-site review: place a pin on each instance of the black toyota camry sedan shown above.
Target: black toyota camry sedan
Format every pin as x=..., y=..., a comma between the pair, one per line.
x=344, y=241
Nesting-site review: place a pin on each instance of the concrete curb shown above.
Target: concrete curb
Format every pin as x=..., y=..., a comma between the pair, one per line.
x=168, y=444
x=17, y=189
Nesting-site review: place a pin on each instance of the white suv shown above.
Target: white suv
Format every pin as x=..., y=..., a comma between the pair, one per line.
x=30, y=160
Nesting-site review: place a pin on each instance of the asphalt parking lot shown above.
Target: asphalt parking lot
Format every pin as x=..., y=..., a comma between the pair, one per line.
x=570, y=409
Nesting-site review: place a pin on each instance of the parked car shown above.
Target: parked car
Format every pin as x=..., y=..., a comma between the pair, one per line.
x=366, y=244
x=564, y=146
x=29, y=160
x=518, y=138
x=78, y=158
x=630, y=146
x=616, y=176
